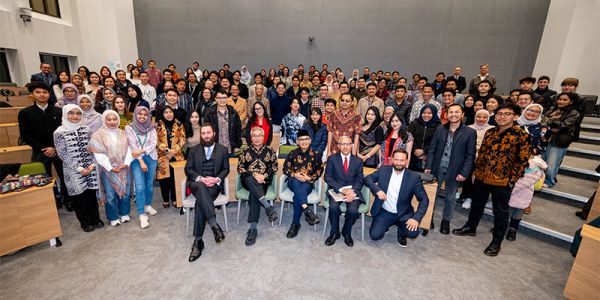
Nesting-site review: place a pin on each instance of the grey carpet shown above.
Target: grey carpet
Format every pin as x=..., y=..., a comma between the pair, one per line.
x=127, y=262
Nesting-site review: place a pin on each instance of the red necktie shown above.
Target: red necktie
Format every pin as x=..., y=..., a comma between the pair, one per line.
x=346, y=165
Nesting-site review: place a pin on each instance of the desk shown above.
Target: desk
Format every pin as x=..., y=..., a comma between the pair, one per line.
x=584, y=279
x=27, y=218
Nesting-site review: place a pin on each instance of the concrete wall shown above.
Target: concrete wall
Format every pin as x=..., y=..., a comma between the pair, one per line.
x=570, y=45
x=408, y=36
x=92, y=33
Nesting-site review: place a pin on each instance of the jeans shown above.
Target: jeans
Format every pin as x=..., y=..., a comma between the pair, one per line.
x=448, y=196
x=301, y=191
x=144, y=182
x=553, y=157
x=115, y=207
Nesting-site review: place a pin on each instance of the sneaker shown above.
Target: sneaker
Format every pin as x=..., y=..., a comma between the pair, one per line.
x=150, y=210
x=144, y=221
x=402, y=241
x=115, y=223
x=125, y=219
x=467, y=203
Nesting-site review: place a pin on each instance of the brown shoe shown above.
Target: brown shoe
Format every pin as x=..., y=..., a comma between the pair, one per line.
x=527, y=210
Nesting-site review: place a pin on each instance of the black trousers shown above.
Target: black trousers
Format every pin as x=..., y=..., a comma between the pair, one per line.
x=500, y=198
x=167, y=187
x=204, y=208
x=350, y=218
x=257, y=191
x=86, y=207
x=57, y=163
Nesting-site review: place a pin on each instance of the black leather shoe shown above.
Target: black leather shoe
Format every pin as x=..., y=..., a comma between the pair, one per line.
x=99, y=224
x=218, y=232
x=197, y=248
x=69, y=207
x=402, y=241
x=251, y=237
x=311, y=217
x=348, y=241
x=493, y=249
x=88, y=228
x=331, y=239
x=465, y=230
x=511, y=235
x=293, y=232
x=271, y=214
x=445, y=227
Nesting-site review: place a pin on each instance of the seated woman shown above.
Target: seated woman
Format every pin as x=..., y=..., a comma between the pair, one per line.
x=291, y=123
x=112, y=153
x=260, y=118
x=370, y=138
x=396, y=138
x=170, y=141
x=316, y=130
x=422, y=129
x=71, y=141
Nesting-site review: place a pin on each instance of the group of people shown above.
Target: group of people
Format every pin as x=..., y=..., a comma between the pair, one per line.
x=98, y=132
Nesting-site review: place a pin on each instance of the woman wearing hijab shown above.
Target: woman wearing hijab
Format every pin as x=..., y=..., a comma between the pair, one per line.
x=113, y=155
x=170, y=142
x=108, y=96
x=246, y=76
x=135, y=98
x=90, y=118
x=422, y=129
x=530, y=120
x=71, y=141
x=141, y=136
x=70, y=95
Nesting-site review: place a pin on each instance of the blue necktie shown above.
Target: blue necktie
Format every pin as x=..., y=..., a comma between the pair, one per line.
x=208, y=153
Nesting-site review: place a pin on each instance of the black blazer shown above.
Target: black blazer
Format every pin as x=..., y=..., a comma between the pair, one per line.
x=411, y=186
x=235, y=125
x=39, y=77
x=461, y=82
x=336, y=178
x=462, y=154
x=196, y=157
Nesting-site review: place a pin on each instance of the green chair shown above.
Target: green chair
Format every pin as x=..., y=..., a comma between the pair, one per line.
x=242, y=194
x=284, y=150
x=34, y=168
x=362, y=209
x=286, y=195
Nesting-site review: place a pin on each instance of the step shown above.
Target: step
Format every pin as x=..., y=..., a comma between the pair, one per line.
x=591, y=120
x=569, y=190
x=579, y=173
x=585, y=153
x=590, y=127
x=589, y=139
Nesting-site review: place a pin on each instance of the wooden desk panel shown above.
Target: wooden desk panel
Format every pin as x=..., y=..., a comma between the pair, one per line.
x=9, y=114
x=584, y=279
x=9, y=134
x=17, y=154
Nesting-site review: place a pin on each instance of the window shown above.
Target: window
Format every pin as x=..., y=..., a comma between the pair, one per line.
x=4, y=73
x=59, y=63
x=47, y=7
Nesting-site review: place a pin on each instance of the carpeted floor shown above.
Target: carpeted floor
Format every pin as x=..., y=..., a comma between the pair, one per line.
x=127, y=262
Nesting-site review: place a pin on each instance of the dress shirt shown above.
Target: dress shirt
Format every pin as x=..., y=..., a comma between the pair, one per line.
x=390, y=204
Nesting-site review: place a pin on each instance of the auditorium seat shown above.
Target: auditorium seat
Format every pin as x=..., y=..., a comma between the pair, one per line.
x=9, y=134
x=16, y=154
x=9, y=114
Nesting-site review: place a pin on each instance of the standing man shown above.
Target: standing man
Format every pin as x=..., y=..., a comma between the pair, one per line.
x=280, y=106
x=48, y=78
x=206, y=170
x=501, y=161
x=257, y=168
x=461, y=82
x=343, y=122
x=484, y=74
x=360, y=91
x=344, y=175
x=37, y=124
x=154, y=75
x=394, y=187
x=542, y=89
x=370, y=100
x=238, y=103
x=526, y=85
x=426, y=97
x=196, y=69
x=226, y=123
x=319, y=100
x=237, y=77
x=148, y=91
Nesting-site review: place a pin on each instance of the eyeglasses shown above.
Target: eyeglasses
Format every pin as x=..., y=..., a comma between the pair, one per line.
x=73, y=113
x=221, y=98
x=504, y=114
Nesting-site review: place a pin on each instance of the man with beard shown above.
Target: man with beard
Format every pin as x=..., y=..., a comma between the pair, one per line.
x=394, y=187
x=206, y=169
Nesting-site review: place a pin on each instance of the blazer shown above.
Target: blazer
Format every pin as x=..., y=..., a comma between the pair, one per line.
x=462, y=155
x=411, y=186
x=196, y=157
x=461, y=82
x=336, y=178
x=235, y=125
x=39, y=77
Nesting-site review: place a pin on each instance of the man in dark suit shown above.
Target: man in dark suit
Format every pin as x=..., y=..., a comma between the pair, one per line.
x=394, y=187
x=48, y=78
x=344, y=175
x=206, y=169
x=461, y=82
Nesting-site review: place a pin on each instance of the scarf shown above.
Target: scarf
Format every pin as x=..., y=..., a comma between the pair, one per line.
x=524, y=122
x=66, y=124
x=246, y=76
x=146, y=126
x=434, y=120
x=484, y=126
x=91, y=118
x=133, y=102
x=64, y=100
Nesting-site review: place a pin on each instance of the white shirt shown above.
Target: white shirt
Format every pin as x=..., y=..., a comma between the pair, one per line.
x=148, y=92
x=392, y=191
x=43, y=108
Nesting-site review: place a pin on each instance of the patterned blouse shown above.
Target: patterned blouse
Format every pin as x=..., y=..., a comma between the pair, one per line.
x=343, y=125
x=175, y=140
x=308, y=162
x=290, y=125
x=503, y=156
x=262, y=161
x=71, y=148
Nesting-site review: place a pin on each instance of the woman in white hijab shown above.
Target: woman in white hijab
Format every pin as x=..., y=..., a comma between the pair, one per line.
x=71, y=141
x=246, y=76
x=90, y=118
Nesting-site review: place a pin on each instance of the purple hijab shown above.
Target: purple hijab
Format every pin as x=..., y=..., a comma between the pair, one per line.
x=139, y=126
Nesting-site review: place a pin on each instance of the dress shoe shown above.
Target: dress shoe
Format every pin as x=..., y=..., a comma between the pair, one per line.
x=69, y=207
x=493, y=249
x=511, y=235
x=88, y=228
x=445, y=227
x=402, y=241
x=271, y=214
x=197, y=248
x=218, y=233
x=348, y=241
x=311, y=217
x=465, y=230
x=331, y=239
x=293, y=232
x=251, y=237
x=99, y=224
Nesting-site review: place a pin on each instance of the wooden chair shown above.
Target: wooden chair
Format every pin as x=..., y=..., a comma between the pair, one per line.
x=9, y=134
x=10, y=114
x=18, y=101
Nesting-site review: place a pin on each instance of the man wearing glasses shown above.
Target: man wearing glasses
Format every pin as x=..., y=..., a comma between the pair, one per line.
x=501, y=161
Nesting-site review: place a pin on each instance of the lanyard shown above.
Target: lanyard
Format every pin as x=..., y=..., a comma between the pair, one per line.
x=139, y=141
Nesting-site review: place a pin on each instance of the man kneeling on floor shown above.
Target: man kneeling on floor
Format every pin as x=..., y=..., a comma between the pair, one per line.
x=394, y=187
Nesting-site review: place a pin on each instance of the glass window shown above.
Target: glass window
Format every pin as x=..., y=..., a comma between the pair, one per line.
x=58, y=62
x=47, y=7
x=4, y=72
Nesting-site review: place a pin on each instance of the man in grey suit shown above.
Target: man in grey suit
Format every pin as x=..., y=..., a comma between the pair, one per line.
x=206, y=169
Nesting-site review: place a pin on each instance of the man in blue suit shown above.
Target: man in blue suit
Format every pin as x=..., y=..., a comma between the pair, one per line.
x=344, y=175
x=394, y=187
x=48, y=78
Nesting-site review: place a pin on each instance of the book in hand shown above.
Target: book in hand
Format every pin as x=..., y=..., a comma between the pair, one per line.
x=339, y=197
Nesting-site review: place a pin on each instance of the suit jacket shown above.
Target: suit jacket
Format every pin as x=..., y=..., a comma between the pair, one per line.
x=39, y=77
x=411, y=186
x=197, y=157
x=336, y=178
x=461, y=82
x=462, y=154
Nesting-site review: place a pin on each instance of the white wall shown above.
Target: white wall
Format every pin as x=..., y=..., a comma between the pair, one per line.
x=570, y=45
x=92, y=33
